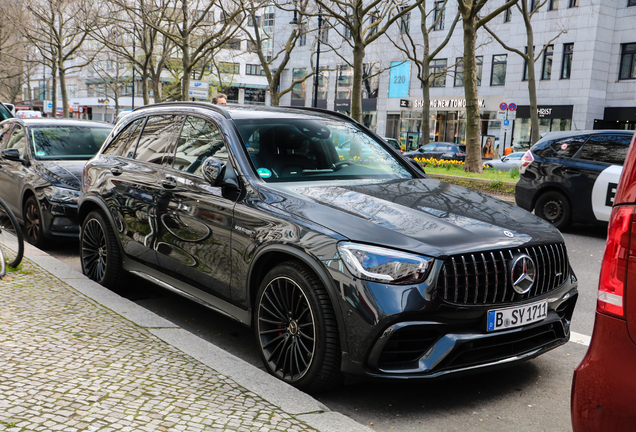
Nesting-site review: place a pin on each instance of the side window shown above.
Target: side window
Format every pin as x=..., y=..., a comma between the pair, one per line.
x=156, y=139
x=18, y=140
x=5, y=132
x=607, y=148
x=568, y=147
x=429, y=147
x=199, y=140
x=120, y=142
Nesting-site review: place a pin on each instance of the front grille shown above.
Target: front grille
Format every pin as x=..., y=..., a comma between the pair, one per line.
x=406, y=345
x=484, y=277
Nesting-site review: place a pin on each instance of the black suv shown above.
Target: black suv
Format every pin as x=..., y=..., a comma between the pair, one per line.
x=343, y=256
x=572, y=176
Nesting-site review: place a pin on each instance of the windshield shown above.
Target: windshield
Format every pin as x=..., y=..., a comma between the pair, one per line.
x=286, y=150
x=67, y=142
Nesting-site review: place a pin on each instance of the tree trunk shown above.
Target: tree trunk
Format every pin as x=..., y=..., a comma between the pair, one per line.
x=62, y=74
x=144, y=87
x=273, y=91
x=356, y=89
x=473, y=118
x=185, y=81
x=532, y=88
x=53, y=90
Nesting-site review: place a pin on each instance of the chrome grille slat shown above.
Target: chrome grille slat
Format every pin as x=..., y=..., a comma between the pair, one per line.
x=490, y=288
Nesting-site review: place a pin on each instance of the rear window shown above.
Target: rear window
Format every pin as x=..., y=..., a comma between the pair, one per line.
x=606, y=148
x=67, y=142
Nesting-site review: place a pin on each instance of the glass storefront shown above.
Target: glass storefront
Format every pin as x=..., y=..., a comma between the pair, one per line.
x=521, y=131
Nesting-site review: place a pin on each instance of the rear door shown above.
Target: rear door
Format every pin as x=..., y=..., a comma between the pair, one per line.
x=13, y=173
x=605, y=155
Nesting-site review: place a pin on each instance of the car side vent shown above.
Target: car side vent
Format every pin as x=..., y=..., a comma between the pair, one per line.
x=484, y=277
x=406, y=346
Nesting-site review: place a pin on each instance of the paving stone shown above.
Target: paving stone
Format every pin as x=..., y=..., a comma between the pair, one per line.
x=69, y=364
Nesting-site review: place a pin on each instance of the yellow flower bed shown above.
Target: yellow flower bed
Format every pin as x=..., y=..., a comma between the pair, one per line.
x=436, y=163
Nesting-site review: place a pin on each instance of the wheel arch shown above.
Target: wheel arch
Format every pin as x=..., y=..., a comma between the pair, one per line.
x=90, y=203
x=267, y=258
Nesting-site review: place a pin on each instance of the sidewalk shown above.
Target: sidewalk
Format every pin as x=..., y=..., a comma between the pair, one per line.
x=76, y=357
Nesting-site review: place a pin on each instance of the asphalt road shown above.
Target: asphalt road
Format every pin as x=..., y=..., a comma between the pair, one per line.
x=534, y=396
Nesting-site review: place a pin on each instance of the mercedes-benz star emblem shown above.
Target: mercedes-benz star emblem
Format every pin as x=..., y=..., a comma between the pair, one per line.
x=522, y=273
x=508, y=234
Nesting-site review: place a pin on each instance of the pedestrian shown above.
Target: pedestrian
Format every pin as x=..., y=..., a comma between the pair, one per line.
x=219, y=99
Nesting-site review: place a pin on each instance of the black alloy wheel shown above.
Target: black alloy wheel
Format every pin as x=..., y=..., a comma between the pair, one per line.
x=296, y=327
x=33, y=231
x=99, y=252
x=554, y=207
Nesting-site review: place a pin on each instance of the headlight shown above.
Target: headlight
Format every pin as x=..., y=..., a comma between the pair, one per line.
x=384, y=265
x=62, y=195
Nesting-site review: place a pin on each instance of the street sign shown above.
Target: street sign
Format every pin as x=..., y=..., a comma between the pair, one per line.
x=202, y=94
x=512, y=106
x=507, y=124
x=503, y=106
x=511, y=114
x=501, y=115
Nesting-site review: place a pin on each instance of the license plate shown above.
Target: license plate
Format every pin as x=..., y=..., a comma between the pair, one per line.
x=499, y=319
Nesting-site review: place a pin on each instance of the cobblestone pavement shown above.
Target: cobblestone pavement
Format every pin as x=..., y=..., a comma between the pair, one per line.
x=69, y=364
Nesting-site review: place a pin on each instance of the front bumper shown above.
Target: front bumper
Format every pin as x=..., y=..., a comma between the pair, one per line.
x=59, y=220
x=410, y=332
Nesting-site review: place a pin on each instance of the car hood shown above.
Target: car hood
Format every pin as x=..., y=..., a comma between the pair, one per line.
x=62, y=173
x=420, y=215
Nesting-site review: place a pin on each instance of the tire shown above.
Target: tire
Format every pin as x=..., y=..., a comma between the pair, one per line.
x=33, y=229
x=99, y=251
x=555, y=208
x=299, y=345
x=11, y=240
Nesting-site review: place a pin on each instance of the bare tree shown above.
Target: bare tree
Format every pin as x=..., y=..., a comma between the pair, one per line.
x=421, y=55
x=472, y=21
x=530, y=59
x=115, y=78
x=273, y=57
x=60, y=28
x=13, y=60
x=191, y=26
x=364, y=22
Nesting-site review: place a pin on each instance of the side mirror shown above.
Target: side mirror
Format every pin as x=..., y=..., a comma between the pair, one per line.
x=219, y=174
x=11, y=154
x=417, y=165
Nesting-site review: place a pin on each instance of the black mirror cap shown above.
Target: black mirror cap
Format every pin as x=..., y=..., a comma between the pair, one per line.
x=417, y=165
x=11, y=154
x=217, y=173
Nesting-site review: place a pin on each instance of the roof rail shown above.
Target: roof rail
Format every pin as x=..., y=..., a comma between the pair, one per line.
x=324, y=111
x=210, y=105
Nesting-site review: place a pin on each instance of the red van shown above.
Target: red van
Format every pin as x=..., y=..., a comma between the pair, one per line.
x=604, y=384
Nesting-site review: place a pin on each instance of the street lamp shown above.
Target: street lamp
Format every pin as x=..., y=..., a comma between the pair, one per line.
x=317, y=73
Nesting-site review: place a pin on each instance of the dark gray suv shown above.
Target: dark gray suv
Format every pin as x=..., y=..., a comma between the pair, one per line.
x=343, y=256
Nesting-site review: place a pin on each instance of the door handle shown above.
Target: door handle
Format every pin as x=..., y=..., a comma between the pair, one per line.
x=169, y=183
x=116, y=171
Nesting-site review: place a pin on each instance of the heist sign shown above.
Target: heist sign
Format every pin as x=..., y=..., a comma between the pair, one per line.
x=448, y=103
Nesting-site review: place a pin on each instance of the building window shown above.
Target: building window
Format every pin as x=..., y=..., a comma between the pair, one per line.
x=566, y=65
x=374, y=29
x=370, y=80
x=268, y=19
x=252, y=69
x=525, y=66
x=405, y=22
x=533, y=5
x=302, y=38
x=547, y=62
x=554, y=5
x=574, y=3
x=232, y=44
x=628, y=61
x=324, y=34
x=498, y=74
x=508, y=13
x=437, y=73
x=252, y=47
x=229, y=68
x=459, y=71
x=344, y=81
x=299, y=90
x=631, y=2
x=440, y=13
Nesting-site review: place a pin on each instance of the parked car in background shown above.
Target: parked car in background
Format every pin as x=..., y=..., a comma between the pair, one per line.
x=41, y=161
x=604, y=384
x=5, y=113
x=572, y=176
x=506, y=163
x=122, y=114
x=439, y=150
x=10, y=107
x=359, y=267
x=28, y=114
x=394, y=143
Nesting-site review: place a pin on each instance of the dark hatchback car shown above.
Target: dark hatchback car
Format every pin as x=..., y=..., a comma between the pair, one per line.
x=572, y=176
x=439, y=150
x=342, y=266
x=41, y=162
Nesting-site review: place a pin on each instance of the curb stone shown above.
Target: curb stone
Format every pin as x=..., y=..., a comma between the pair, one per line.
x=289, y=399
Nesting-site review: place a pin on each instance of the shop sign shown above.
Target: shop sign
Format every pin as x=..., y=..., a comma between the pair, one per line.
x=399, y=79
x=544, y=112
x=448, y=103
x=405, y=103
x=102, y=101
